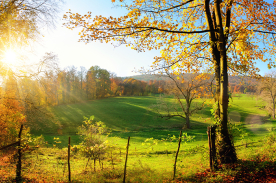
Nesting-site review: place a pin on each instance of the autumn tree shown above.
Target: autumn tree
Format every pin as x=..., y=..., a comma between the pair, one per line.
x=101, y=78
x=161, y=86
x=72, y=84
x=90, y=85
x=81, y=74
x=185, y=88
x=116, y=85
x=46, y=77
x=151, y=87
x=61, y=91
x=221, y=34
x=11, y=111
x=133, y=86
x=20, y=23
x=267, y=89
x=103, y=83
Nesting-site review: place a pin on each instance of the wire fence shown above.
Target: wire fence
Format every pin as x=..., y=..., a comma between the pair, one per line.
x=68, y=159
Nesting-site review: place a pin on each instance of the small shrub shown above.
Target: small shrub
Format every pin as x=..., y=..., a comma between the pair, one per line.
x=271, y=137
x=238, y=131
x=94, y=145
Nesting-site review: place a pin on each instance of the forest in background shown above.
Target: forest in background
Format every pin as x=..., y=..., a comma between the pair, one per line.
x=72, y=85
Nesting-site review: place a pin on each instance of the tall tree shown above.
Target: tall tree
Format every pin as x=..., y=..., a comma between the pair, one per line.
x=116, y=85
x=103, y=84
x=267, y=89
x=82, y=73
x=186, y=88
x=222, y=34
x=101, y=77
x=91, y=87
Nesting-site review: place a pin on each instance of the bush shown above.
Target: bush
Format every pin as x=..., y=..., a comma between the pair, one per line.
x=94, y=145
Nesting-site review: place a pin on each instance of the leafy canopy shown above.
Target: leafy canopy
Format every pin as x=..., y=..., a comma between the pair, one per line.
x=180, y=30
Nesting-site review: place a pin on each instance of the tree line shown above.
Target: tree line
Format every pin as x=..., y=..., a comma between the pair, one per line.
x=71, y=85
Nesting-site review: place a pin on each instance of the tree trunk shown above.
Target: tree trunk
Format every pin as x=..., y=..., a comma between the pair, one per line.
x=63, y=89
x=217, y=78
x=87, y=98
x=19, y=154
x=226, y=148
x=188, y=125
x=273, y=112
x=81, y=95
x=187, y=112
x=211, y=23
x=218, y=47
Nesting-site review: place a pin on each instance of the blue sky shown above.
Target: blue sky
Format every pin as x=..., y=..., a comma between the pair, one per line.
x=64, y=43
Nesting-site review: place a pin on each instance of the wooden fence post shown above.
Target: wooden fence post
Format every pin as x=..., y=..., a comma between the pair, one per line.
x=19, y=153
x=126, y=160
x=211, y=131
x=69, y=170
x=210, y=147
x=176, y=155
x=213, y=143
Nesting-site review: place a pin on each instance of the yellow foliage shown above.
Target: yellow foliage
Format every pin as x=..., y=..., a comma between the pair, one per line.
x=180, y=30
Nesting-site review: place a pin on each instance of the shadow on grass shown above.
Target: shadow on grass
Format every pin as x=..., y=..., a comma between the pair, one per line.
x=124, y=115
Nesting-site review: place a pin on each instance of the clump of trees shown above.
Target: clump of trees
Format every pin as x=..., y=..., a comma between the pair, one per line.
x=57, y=86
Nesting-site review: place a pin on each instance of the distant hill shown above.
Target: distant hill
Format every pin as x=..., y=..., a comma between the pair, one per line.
x=148, y=77
x=232, y=79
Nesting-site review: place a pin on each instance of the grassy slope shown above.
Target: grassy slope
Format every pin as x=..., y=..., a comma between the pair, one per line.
x=126, y=116
x=135, y=117
x=120, y=114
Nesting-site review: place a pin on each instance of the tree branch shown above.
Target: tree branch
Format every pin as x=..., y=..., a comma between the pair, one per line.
x=150, y=28
x=228, y=19
x=265, y=32
x=173, y=7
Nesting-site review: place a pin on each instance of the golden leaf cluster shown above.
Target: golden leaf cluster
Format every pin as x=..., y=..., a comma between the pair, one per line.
x=178, y=28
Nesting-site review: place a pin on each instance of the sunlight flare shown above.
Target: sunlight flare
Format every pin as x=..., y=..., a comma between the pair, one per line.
x=10, y=57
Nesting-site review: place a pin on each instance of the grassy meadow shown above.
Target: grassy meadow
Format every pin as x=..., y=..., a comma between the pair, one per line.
x=136, y=117
x=125, y=116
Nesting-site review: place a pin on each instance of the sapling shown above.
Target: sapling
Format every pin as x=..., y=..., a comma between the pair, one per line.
x=94, y=145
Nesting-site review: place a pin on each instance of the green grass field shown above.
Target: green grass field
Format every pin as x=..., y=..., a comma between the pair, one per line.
x=137, y=118
x=125, y=116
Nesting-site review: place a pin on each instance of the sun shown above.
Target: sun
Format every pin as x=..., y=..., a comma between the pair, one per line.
x=10, y=57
